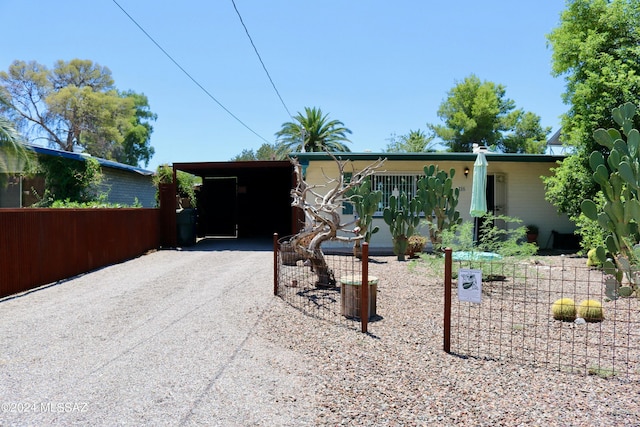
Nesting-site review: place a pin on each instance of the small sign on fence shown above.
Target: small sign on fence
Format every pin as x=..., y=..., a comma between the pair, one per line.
x=470, y=285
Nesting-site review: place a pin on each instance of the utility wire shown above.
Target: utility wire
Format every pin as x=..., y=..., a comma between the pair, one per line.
x=189, y=75
x=260, y=58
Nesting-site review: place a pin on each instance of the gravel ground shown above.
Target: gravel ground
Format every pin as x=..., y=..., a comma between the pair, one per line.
x=399, y=375
x=196, y=338
x=165, y=339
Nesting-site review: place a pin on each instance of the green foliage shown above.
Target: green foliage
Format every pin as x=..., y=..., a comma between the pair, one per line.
x=591, y=233
x=564, y=309
x=416, y=141
x=478, y=112
x=68, y=179
x=365, y=201
x=100, y=202
x=438, y=198
x=526, y=135
x=509, y=242
x=76, y=106
x=136, y=143
x=14, y=157
x=402, y=216
x=312, y=132
x=591, y=311
x=595, y=48
x=415, y=244
x=265, y=152
x=619, y=179
x=186, y=182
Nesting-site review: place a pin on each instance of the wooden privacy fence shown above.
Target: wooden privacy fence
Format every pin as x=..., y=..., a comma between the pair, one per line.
x=40, y=246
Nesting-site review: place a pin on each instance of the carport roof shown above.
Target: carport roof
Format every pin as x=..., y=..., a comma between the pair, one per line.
x=228, y=168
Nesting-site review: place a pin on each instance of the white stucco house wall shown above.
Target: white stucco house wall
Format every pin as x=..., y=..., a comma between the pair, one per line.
x=514, y=188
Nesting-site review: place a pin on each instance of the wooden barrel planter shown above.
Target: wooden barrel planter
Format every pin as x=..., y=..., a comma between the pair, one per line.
x=350, y=286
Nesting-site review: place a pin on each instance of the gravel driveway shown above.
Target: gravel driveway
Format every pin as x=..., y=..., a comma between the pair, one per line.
x=165, y=339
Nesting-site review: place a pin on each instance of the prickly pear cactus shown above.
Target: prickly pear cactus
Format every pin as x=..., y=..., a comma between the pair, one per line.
x=619, y=179
x=439, y=199
x=402, y=216
x=365, y=201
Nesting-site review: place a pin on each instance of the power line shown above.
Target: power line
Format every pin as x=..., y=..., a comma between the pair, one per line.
x=189, y=75
x=260, y=58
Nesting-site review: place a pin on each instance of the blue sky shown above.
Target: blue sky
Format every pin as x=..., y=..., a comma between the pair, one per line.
x=380, y=67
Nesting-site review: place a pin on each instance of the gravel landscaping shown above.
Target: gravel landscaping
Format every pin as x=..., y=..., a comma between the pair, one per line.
x=399, y=375
x=197, y=338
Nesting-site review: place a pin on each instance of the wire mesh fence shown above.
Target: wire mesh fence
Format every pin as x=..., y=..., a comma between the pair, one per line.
x=332, y=295
x=514, y=319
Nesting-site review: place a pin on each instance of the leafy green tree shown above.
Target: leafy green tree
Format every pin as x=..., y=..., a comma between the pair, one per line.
x=312, y=131
x=265, y=152
x=75, y=105
x=136, y=145
x=416, y=141
x=595, y=48
x=526, y=136
x=246, y=155
x=479, y=112
x=268, y=152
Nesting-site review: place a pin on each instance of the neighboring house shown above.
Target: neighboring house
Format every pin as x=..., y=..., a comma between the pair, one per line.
x=122, y=183
x=514, y=186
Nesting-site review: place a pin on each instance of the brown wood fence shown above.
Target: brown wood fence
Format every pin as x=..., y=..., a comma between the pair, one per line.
x=41, y=246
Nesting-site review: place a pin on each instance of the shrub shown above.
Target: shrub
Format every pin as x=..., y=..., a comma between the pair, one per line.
x=415, y=245
x=508, y=242
x=564, y=309
x=185, y=185
x=591, y=311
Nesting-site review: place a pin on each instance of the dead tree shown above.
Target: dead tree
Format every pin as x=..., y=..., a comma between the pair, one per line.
x=322, y=215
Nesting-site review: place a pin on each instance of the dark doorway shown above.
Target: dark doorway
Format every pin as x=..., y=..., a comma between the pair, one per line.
x=217, y=207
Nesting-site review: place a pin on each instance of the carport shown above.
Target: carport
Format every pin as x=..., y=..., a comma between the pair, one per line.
x=243, y=199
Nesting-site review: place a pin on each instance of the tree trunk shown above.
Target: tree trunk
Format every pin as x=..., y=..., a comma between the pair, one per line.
x=300, y=243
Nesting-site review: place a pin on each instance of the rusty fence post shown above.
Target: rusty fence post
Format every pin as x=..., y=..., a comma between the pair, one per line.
x=447, y=299
x=275, y=263
x=364, y=289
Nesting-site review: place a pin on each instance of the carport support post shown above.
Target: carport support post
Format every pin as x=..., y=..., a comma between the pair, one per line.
x=447, y=299
x=275, y=263
x=364, y=288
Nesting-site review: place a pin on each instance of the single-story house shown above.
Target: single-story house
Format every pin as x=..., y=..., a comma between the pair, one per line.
x=122, y=183
x=514, y=185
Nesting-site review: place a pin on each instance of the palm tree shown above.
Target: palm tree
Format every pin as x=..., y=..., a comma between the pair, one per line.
x=312, y=132
x=13, y=154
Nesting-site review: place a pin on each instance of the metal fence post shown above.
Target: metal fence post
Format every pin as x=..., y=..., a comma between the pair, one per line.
x=364, y=288
x=447, y=299
x=275, y=263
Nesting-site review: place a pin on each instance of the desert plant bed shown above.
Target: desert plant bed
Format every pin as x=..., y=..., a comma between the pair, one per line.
x=398, y=374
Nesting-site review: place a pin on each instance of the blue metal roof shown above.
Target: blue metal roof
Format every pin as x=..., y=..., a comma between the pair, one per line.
x=81, y=157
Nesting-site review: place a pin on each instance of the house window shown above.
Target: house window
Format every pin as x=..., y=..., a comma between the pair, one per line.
x=394, y=185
